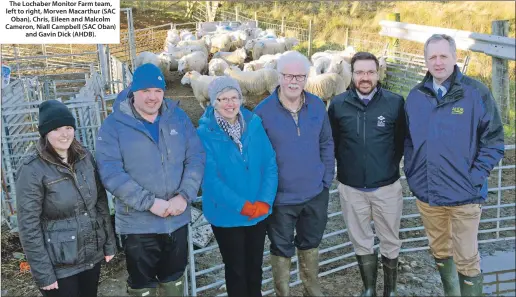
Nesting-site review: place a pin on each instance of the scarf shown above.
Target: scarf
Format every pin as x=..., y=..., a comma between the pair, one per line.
x=233, y=130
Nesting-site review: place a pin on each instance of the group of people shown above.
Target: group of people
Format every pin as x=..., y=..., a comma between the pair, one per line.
x=265, y=172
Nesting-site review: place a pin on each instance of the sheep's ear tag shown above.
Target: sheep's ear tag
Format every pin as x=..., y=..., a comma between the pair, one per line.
x=159, y=78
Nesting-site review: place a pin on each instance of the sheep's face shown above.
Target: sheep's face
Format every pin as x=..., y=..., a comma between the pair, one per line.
x=241, y=53
x=228, y=105
x=249, y=45
x=182, y=65
x=292, y=80
x=186, y=78
x=147, y=102
x=365, y=76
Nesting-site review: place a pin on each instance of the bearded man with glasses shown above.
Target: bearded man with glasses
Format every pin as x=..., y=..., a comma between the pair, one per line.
x=368, y=125
x=298, y=127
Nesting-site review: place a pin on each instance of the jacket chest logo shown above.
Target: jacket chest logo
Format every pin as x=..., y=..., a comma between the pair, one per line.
x=381, y=121
x=173, y=132
x=457, y=110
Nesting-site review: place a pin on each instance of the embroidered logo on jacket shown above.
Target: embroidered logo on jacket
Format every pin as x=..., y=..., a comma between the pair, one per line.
x=173, y=132
x=381, y=121
x=457, y=110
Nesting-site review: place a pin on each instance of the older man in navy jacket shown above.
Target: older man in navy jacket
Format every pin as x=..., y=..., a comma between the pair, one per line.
x=298, y=127
x=455, y=139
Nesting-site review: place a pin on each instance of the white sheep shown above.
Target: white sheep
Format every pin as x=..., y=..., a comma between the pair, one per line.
x=326, y=86
x=341, y=67
x=180, y=51
x=321, y=64
x=162, y=63
x=233, y=58
x=217, y=66
x=267, y=48
x=197, y=61
x=347, y=53
x=255, y=82
x=200, y=43
x=199, y=84
x=220, y=42
x=186, y=35
x=289, y=42
x=253, y=65
x=172, y=39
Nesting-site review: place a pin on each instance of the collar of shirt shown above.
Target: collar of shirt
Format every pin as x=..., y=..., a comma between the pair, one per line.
x=369, y=97
x=300, y=105
x=437, y=87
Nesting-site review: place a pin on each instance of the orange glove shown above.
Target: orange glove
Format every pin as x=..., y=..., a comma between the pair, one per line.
x=249, y=209
x=262, y=208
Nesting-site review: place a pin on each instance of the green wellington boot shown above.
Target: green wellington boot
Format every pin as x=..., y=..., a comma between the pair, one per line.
x=368, y=265
x=281, y=275
x=471, y=285
x=309, y=270
x=174, y=288
x=449, y=276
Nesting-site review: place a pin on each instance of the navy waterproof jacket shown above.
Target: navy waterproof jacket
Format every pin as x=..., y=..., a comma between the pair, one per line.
x=452, y=146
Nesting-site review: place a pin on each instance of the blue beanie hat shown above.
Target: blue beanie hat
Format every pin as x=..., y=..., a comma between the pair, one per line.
x=219, y=84
x=147, y=76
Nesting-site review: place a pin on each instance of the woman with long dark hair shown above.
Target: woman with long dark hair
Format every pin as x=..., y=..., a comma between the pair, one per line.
x=63, y=214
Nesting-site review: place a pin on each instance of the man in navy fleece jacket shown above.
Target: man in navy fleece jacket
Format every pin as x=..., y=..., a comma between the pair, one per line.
x=299, y=129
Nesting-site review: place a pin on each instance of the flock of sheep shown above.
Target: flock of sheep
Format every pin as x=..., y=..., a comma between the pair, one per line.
x=202, y=56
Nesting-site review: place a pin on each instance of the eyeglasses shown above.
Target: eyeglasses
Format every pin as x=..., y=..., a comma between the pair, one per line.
x=299, y=77
x=227, y=100
x=362, y=73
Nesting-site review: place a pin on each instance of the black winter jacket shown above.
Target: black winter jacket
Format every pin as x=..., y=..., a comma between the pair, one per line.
x=368, y=138
x=63, y=216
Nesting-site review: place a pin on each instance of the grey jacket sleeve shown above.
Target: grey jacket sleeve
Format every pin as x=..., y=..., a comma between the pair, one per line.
x=102, y=207
x=194, y=162
x=113, y=175
x=29, y=205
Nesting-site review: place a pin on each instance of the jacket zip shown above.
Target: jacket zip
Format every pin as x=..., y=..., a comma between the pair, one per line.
x=358, y=122
x=365, y=151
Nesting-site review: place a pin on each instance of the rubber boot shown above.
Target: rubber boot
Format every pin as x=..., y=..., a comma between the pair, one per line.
x=368, y=265
x=471, y=285
x=174, y=288
x=309, y=270
x=390, y=276
x=142, y=292
x=281, y=275
x=449, y=276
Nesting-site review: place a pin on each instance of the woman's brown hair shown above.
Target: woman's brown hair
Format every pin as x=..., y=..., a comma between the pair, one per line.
x=75, y=151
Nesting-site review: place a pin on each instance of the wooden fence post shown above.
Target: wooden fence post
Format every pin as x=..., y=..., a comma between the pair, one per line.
x=394, y=43
x=309, y=38
x=283, y=25
x=500, y=74
x=256, y=18
x=346, y=41
x=236, y=13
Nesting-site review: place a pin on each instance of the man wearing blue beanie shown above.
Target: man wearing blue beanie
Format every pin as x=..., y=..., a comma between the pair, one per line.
x=150, y=158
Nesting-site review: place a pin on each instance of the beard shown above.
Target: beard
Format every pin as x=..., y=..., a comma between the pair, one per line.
x=371, y=85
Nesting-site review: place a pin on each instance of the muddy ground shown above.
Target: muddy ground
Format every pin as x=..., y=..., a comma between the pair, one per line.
x=418, y=277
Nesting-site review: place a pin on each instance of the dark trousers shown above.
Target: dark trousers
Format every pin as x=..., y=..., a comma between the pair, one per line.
x=242, y=254
x=155, y=258
x=83, y=284
x=308, y=219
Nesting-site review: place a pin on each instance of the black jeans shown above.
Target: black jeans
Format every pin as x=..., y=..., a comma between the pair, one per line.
x=309, y=219
x=83, y=284
x=155, y=258
x=242, y=254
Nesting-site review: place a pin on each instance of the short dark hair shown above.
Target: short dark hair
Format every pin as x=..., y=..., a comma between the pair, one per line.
x=364, y=56
x=74, y=151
